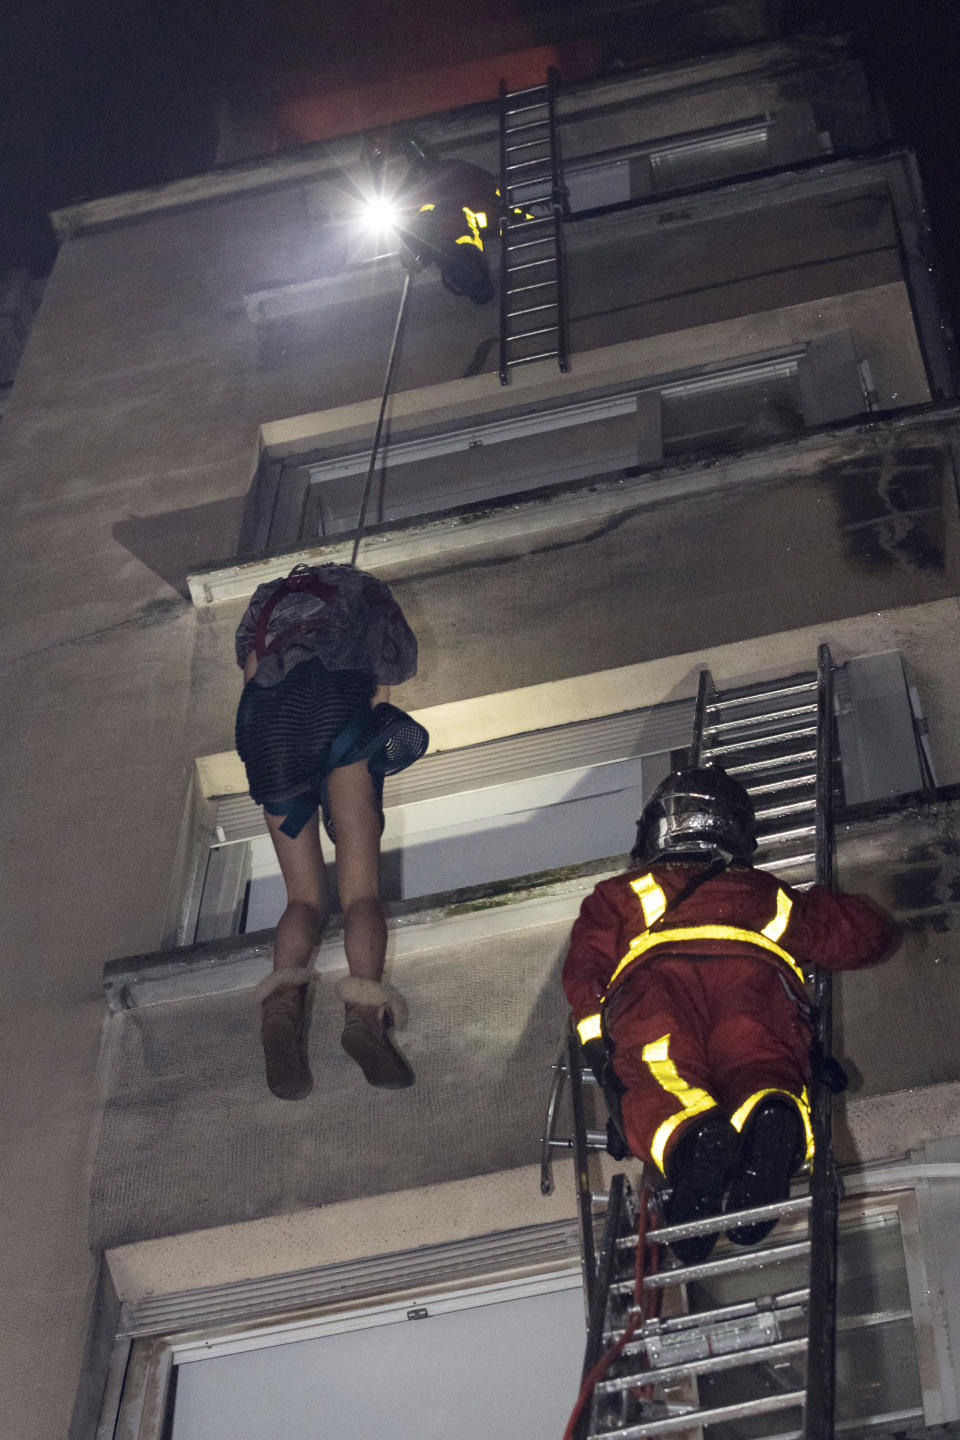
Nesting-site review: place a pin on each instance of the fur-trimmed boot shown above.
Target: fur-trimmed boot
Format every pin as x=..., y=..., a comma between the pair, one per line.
x=283, y=1030
x=372, y=1011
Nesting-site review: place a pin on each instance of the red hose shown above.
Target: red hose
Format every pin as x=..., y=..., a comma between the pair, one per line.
x=644, y=1303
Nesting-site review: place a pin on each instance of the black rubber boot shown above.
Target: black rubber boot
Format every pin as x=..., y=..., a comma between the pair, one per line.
x=464, y=272
x=698, y=1170
x=773, y=1145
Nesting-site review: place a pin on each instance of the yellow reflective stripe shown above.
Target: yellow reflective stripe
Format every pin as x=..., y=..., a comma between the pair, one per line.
x=652, y=899
x=589, y=1029
x=645, y=942
x=802, y=1102
x=780, y=921
x=656, y=1056
x=474, y=237
x=482, y=219
x=427, y=207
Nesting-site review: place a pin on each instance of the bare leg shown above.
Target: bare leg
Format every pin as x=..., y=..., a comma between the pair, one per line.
x=284, y=993
x=369, y=1017
x=356, y=819
x=304, y=874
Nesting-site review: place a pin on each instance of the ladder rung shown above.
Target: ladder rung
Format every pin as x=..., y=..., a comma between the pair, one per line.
x=528, y=145
x=792, y=807
x=785, y=782
x=528, y=359
x=527, y=124
x=705, y=1319
x=531, y=334
x=783, y=862
x=788, y=1400
x=532, y=310
x=595, y=1140
x=770, y=717
x=529, y=244
x=542, y=160
x=800, y=832
x=522, y=109
x=537, y=285
x=665, y=1234
x=546, y=199
x=749, y=1260
x=709, y=1365
x=750, y=767
x=513, y=225
x=732, y=698
x=527, y=90
x=800, y=732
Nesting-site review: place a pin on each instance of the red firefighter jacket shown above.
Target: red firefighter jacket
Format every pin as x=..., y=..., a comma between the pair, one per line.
x=740, y=912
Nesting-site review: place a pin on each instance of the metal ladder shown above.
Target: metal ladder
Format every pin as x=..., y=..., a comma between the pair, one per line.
x=708, y=1345
x=533, y=313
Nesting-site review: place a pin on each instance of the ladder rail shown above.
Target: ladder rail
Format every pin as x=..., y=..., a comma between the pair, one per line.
x=581, y=1154
x=559, y=202
x=545, y=173
x=504, y=252
x=599, y=1292
x=824, y=1181
x=706, y=693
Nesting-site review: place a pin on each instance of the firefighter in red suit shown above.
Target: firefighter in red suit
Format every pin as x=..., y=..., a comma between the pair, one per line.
x=687, y=973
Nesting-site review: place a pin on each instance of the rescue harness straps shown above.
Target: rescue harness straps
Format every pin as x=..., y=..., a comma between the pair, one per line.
x=591, y=1027
x=375, y=446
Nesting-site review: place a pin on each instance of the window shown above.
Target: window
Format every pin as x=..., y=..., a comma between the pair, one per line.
x=737, y=402
x=680, y=162
x=880, y=1312
x=489, y=812
x=246, y=1359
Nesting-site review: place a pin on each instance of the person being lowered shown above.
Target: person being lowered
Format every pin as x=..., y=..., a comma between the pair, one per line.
x=443, y=210
x=685, y=974
x=319, y=651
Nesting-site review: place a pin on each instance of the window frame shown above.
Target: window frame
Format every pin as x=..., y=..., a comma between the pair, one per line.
x=285, y=498
x=140, y=1376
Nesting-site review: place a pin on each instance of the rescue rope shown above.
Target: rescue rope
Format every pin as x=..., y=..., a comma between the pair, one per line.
x=388, y=378
x=644, y=1304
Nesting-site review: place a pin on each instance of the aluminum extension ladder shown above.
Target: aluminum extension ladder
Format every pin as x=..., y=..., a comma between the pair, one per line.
x=751, y=1332
x=533, y=312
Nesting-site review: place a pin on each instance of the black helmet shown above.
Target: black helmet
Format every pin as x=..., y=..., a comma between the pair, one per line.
x=697, y=812
x=381, y=147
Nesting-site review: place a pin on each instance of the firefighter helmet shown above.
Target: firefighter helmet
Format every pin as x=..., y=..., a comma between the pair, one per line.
x=697, y=811
x=383, y=148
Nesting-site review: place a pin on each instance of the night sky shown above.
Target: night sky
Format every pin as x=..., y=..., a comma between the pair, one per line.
x=101, y=96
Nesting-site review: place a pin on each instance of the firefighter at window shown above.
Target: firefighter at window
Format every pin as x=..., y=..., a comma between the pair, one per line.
x=319, y=651
x=445, y=209
x=685, y=974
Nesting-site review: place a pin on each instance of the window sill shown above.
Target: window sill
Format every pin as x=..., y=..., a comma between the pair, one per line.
x=426, y=923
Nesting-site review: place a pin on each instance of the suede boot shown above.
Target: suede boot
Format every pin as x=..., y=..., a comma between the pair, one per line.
x=773, y=1142
x=283, y=1031
x=372, y=1011
x=699, y=1168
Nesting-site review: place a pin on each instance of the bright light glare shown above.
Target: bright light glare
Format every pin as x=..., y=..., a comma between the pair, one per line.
x=379, y=213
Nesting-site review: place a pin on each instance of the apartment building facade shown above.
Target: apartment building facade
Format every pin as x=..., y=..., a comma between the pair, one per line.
x=751, y=453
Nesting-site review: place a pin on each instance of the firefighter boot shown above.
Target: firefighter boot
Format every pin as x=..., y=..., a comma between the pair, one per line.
x=463, y=271
x=372, y=1011
x=283, y=1031
x=773, y=1143
x=698, y=1170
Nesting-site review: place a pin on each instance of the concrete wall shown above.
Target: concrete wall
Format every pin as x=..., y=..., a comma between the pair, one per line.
x=141, y=394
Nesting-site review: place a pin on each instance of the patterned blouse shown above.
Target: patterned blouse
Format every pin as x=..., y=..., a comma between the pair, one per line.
x=354, y=624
